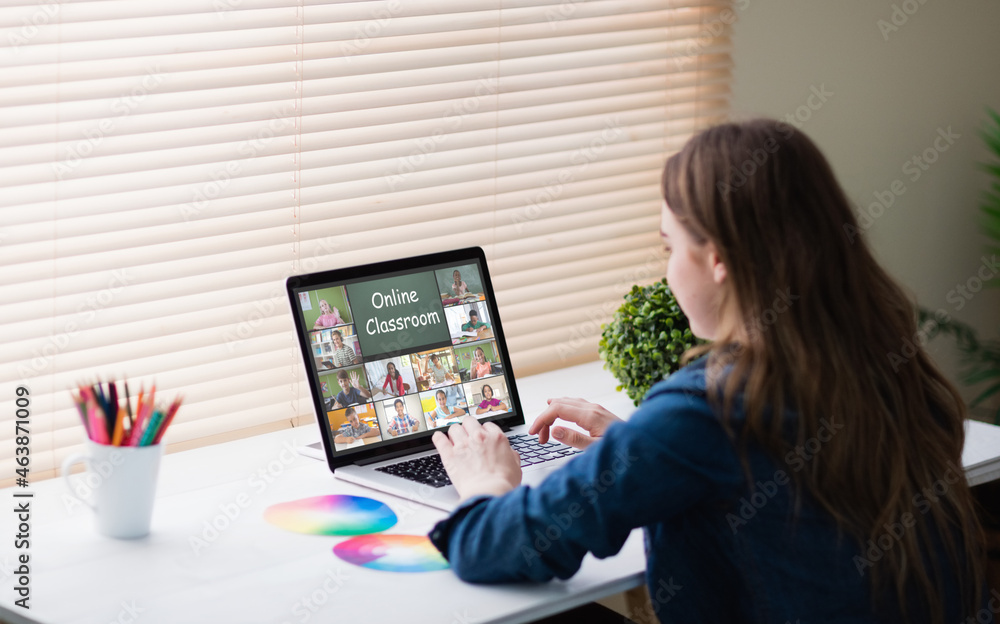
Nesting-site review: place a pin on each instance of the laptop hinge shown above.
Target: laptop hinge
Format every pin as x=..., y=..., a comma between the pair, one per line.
x=410, y=451
x=393, y=455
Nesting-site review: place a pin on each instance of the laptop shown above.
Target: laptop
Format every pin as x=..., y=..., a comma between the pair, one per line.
x=397, y=350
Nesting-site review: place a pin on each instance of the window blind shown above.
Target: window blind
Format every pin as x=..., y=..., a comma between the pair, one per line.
x=164, y=166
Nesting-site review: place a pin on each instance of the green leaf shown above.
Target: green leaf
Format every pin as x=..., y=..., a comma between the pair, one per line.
x=995, y=388
x=981, y=376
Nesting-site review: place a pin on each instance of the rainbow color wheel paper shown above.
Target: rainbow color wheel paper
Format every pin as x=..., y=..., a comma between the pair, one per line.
x=392, y=553
x=335, y=514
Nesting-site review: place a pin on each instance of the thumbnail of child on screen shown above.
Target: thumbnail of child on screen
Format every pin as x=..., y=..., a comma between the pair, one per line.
x=352, y=392
x=401, y=423
x=474, y=324
x=343, y=355
x=490, y=404
x=458, y=287
x=394, y=381
x=481, y=367
x=354, y=429
x=328, y=317
x=444, y=414
x=435, y=370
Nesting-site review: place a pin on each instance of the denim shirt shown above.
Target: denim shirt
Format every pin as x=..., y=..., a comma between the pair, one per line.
x=716, y=550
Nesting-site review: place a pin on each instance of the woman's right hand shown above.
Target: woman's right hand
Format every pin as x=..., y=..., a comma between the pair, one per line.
x=591, y=416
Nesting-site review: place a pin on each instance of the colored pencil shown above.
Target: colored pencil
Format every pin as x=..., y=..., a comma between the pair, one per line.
x=113, y=408
x=106, y=421
x=96, y=426
x=81, y=408
x=89, y=405
x=144, y=417
x=98, y=391
x=102, y=409
x=167, y=419
x=136, y=422
x=149, y=433
x=116, y=437
x=140, y=423
x=128, y=405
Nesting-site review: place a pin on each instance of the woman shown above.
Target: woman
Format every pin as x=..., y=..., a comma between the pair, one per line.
x=490, y=404
x=394, y=381
x=819, y=514
x=328, y=316
x=480, y=367
x=445, y=414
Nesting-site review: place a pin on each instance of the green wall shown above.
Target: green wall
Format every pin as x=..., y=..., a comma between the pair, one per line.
x=465, y=354
x=336, y=297
x=470, y=275
x=334, y=384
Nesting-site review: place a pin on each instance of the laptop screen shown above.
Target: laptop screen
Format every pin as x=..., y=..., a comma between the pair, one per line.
x=396, y=355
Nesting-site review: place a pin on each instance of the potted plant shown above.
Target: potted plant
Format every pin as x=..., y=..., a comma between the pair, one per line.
x=645, y=339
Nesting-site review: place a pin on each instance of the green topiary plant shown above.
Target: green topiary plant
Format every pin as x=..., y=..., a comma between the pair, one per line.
x=644, y=341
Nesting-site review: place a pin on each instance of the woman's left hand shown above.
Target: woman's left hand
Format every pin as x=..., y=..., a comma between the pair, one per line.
x=478, y=458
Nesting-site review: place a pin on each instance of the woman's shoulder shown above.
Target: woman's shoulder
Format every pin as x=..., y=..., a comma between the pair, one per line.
x=676, y=425
x=685, y=393
x=682, y=399
x=689, y=380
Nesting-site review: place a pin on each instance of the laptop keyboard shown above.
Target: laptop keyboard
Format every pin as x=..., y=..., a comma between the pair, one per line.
x=534, y=453
x=430, y=471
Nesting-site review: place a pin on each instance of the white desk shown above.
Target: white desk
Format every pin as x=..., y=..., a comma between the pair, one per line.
x=250, y=571
x=981, y=455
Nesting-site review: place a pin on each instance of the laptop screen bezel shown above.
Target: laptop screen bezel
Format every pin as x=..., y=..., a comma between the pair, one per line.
x=421, y=441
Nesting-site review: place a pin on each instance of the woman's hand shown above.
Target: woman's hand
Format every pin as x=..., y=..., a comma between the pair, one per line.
x=478, y=458
x=591, y=416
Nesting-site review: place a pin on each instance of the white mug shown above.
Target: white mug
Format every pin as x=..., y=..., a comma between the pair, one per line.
x=119, y=485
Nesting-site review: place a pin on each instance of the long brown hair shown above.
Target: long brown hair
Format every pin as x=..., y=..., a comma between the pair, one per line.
x=841, y=347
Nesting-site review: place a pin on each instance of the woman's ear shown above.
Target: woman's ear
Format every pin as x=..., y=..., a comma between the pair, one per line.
x=718, y=268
